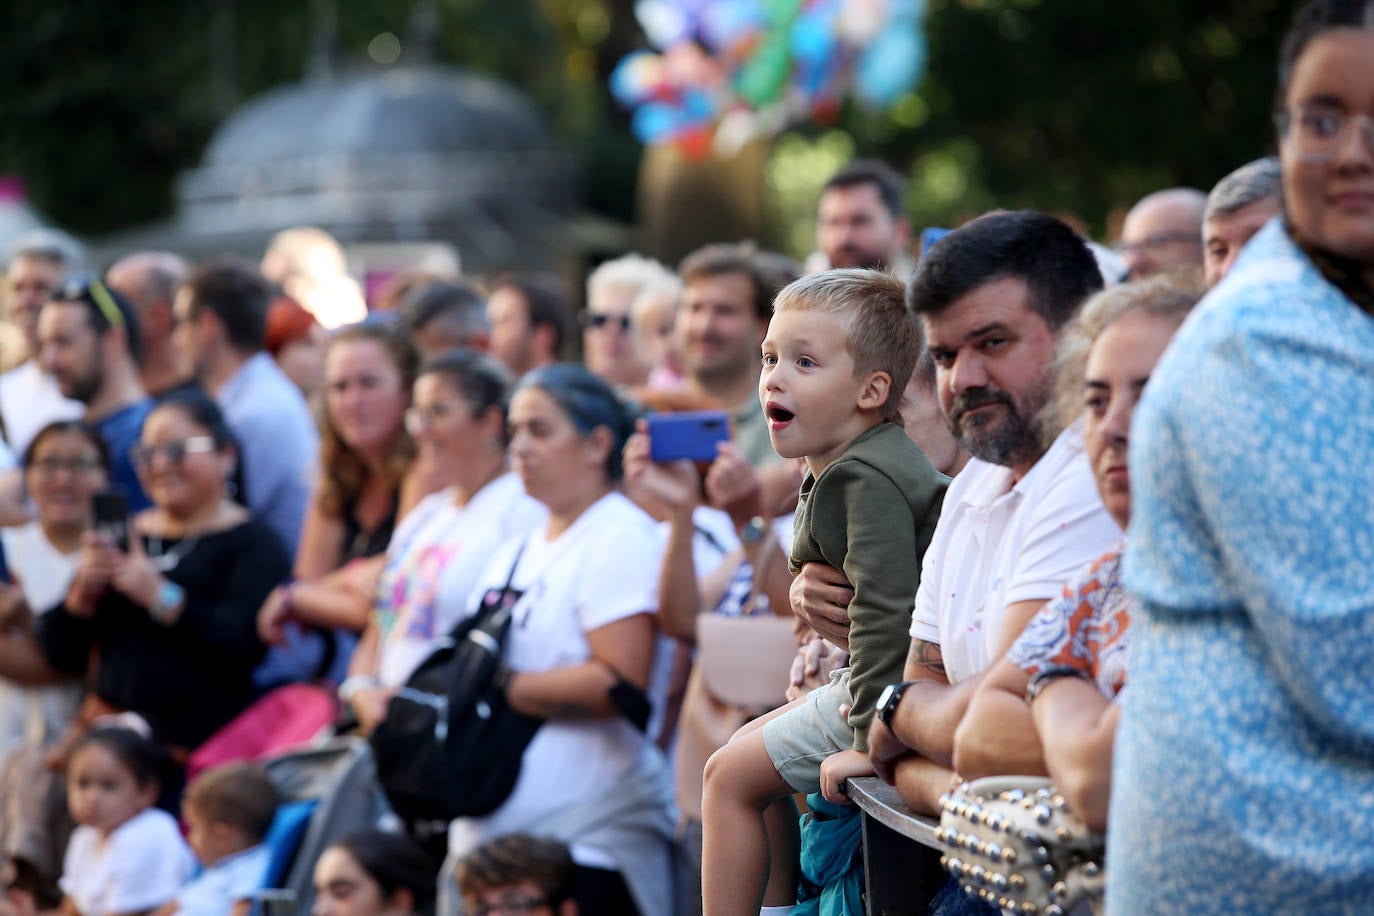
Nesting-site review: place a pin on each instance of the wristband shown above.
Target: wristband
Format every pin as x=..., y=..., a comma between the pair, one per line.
x=354, y=684
x=1046, y=676
x=170, y=598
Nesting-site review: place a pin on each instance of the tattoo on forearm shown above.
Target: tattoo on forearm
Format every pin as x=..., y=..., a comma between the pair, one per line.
x=926, y=655
x=574, y=711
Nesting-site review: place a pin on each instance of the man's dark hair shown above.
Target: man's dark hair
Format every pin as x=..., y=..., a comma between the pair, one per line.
x=1058, y=268
x=737, y=258
x=238, y=296
x=89, y=295
x=546, y=301
x=883, y=177
x=425, y=303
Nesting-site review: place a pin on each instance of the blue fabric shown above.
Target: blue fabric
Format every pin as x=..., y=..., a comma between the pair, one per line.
x=1244, y=766
x=950, y=900
x=278, y=444
x=831, y=860
x=214, y=890
x=284, y=837
x=121, y=431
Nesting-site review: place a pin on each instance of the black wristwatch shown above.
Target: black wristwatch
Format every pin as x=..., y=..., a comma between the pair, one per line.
x=1047, y=676
x=889, y=700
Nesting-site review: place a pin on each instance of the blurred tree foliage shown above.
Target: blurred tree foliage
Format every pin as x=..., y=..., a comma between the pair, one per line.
x=1067, y=105
x=101, y=104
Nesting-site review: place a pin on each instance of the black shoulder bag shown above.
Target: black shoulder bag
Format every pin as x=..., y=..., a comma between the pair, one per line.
x=450, y=745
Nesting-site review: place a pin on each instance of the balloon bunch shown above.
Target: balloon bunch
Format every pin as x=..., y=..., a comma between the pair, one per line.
x=726, y=71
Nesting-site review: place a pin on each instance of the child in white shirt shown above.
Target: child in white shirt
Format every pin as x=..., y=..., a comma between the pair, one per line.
x=126, y=856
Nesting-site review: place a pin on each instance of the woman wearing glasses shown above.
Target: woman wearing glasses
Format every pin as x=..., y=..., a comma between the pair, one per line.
x=168, y=624
x=64, y=467
x=1243, y=778
x=458, y=420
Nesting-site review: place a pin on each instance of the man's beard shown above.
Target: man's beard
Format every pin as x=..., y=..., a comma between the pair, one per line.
x=86, y=386
x=722, y=365
x=1007, y=439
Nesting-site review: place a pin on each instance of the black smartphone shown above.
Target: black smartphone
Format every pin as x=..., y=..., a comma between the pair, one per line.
x=110, y=515
x=692, y=435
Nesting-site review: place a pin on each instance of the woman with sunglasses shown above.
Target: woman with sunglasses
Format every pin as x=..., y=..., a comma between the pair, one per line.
x=1243, y=777
x=167, y=622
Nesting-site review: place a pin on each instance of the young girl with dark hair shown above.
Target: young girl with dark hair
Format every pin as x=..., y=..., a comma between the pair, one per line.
x=126, y=855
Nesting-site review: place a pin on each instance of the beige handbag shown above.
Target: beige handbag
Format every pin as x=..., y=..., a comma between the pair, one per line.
x=742, y=671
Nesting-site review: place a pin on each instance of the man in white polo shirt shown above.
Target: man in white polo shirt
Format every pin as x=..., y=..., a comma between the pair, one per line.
x=1021, y=517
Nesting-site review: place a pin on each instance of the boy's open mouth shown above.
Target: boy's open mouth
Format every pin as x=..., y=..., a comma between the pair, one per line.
x=779, y=415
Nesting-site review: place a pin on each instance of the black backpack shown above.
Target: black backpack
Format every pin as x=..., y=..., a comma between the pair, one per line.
x=450, y=745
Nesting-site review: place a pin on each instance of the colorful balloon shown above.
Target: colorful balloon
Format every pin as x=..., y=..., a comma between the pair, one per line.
x=725, y=70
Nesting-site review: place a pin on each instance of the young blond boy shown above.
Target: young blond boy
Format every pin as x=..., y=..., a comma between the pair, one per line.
x=228, y=810
x=837, y=356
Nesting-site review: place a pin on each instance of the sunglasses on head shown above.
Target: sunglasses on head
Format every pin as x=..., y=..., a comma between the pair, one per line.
x=92, y=289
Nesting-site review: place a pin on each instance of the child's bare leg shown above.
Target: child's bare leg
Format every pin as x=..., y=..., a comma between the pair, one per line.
x=740, y=782
x=784, y=853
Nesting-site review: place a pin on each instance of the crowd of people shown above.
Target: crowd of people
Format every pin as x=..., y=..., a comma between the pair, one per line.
x=1023, y=505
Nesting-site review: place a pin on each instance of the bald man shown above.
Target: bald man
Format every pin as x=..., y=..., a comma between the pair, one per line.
x=149, y=280
x=1163, y=232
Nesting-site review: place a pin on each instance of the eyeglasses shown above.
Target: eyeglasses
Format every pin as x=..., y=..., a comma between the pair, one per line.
x=174, y=452
x=418, y=419
x=511, y=905
x=79, y=289
x=1152, y=244
x=52, y=465
x=600, y=321
x=1317, y=132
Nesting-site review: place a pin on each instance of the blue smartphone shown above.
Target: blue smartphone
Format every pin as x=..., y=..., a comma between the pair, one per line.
x=691, y=435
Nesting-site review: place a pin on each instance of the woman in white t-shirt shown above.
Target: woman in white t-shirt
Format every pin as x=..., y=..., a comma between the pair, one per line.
x=458, y=420
x=64, y=466
x=581, y=648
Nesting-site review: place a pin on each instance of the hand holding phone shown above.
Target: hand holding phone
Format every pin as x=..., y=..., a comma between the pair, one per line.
x=110, y=516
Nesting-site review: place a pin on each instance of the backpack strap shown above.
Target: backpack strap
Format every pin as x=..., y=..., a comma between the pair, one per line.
x=488, y=609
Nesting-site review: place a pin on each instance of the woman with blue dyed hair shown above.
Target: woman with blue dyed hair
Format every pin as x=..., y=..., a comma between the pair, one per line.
x=580, y=650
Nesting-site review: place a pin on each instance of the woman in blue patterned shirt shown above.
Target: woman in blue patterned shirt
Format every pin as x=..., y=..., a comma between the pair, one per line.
x=1244, y=767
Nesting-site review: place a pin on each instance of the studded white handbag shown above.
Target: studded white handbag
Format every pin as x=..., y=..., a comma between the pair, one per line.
x=1012, y=842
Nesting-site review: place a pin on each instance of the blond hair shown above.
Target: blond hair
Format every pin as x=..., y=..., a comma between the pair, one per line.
x=882, y=333
x=1166, y=296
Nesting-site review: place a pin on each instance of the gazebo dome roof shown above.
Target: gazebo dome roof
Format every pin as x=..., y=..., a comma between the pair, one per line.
x=406, y=153
x=403, y=111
